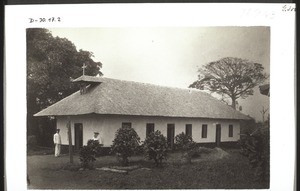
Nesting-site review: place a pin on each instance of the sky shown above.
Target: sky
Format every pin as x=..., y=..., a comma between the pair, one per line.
x=171, y=56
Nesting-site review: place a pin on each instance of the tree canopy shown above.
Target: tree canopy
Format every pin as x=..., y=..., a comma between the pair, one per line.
x=230, y=77
x=52, y=62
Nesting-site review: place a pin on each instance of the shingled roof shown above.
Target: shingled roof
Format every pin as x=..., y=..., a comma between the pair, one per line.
x=112, y=96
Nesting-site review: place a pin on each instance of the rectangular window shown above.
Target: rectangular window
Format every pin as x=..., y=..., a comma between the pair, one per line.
x=204, y=131
x=149, y=128
x=127, y=124
x=230, y=133
x=188, y=129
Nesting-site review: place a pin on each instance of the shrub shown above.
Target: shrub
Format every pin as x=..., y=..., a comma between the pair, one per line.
x=184, y=142
x=155, y=147
x=96, y=146
x=88, y=153
x=248, y=126
x=256, y=147
x=87, y=156
x=125, y=144
x=187, y=145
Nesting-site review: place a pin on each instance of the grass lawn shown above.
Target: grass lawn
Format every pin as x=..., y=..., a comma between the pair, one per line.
x=233, y=171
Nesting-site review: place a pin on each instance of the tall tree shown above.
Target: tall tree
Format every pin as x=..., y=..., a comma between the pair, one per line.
x=230, y=77
x=51, y=64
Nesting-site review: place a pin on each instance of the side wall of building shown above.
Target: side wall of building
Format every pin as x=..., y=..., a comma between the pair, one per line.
x=107, y=125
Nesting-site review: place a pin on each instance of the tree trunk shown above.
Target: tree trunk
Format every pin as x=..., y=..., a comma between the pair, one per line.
x=233, y=102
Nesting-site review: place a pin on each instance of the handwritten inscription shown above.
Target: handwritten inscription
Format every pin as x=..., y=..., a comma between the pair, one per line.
x=288, y=8
x=258, y=13
x=45, y=20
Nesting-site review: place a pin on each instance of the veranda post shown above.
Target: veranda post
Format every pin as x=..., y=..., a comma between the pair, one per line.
x=70, y=140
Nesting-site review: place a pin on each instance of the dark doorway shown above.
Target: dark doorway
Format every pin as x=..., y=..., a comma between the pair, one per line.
x=218, y=135
x=78, y=135
x=170, y=135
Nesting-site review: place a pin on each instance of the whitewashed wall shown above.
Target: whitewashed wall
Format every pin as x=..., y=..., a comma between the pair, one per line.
x=107, y=125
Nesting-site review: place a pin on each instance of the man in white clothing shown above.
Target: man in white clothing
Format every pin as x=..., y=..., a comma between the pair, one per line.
x=97, y=137
x=57, y=143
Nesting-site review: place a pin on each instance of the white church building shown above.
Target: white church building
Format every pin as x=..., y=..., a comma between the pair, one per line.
x=104, y=105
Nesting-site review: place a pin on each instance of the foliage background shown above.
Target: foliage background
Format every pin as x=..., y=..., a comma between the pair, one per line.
x=52, y=63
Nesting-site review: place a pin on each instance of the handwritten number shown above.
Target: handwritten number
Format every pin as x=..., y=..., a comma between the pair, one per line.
x=51, y=19
x=43, y=19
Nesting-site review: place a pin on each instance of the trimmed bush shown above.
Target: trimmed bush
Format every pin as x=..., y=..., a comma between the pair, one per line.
x=155, y=147
x=87, y=156
x=96, y=146
x=125, y=144
x=88, y=153
x=187, y=145
x=184, y=142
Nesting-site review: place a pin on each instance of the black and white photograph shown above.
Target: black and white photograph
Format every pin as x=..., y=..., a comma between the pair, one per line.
x=148, y=108
x=125, y=99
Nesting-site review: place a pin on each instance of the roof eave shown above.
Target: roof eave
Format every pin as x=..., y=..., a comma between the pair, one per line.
x=41, y=114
